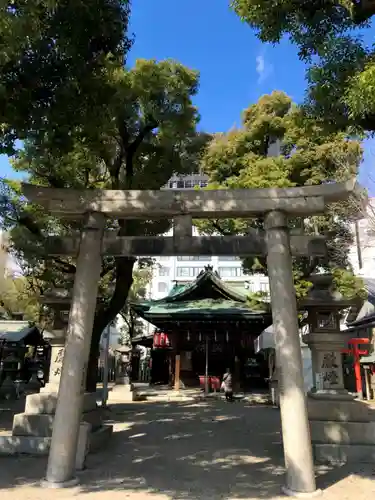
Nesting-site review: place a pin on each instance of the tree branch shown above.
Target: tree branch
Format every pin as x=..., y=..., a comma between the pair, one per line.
x=219, y=229
x=64, y=266
x=107, y=269
x=124, y=280
x=132, y=148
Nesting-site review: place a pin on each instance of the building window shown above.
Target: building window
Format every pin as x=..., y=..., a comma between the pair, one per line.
x=264, y=287
x=196, y=270
x=180, y=184
x=183, y=271
x=203, y=184
x=189, y=258
x=190, y=272
x=163, y=271
x=188, y=184
x=162, y=287
x=230, y=272
x=228, y=257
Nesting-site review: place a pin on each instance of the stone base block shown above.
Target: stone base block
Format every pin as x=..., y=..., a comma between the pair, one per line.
x=45, y=403
x=338, y=454
x=88, y=442
x=340, y=410
x=14, y=445
x=30, y=445
x=25, y=424
x=343, y=433
x=339, y=395
x=122, y=394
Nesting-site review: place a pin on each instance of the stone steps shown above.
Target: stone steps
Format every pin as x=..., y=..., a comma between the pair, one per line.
x=40, y=425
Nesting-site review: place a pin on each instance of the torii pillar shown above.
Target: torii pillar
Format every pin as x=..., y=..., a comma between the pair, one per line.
x=294, y=419
x=61, y=460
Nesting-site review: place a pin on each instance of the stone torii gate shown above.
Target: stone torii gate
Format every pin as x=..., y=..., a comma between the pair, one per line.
x=276, y=242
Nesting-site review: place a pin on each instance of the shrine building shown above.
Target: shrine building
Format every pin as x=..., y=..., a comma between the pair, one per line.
x=203, y=328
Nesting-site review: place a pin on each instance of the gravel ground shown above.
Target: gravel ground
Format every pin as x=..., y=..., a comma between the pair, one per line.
x=183, y=450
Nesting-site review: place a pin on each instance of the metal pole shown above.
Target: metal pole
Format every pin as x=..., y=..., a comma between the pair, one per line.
x=105, y=367
x=206, y=374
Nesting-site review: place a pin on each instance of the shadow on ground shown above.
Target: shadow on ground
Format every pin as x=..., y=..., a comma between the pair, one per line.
x=183, y=451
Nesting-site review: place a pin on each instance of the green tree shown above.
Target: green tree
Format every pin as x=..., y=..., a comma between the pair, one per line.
x=147, y=133
x=19, y=295
x=340, y=73
x=309, y=23
x=54, y=58
x=238, y=159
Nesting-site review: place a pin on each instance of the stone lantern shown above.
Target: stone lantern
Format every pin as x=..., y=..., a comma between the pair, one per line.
x=324, y=306
x=341, y=426
x=123, y=390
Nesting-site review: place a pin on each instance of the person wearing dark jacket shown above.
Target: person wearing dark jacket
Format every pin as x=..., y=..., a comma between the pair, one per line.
x=228, y=385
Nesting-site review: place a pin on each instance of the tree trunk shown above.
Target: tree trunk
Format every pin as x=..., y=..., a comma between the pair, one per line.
x=124, y=280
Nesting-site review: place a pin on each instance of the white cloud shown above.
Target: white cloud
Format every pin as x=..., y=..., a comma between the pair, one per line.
x=263, y=68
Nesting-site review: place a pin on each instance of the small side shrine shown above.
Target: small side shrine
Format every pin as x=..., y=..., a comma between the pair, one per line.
x=206, y=327
x=23, y=351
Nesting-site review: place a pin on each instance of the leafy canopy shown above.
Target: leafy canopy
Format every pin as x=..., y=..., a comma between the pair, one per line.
x=54, y=58
x=309, y=23
x=307, y=156
x=146, y=133
x=20, y=295
x=328, y=37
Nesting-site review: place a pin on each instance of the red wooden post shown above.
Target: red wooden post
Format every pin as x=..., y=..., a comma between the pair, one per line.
x=357, y=352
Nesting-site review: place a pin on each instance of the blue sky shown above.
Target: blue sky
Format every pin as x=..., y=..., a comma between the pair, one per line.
x=235, y=68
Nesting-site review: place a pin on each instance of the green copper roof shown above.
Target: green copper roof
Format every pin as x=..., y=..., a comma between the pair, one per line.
x=177, y=289
x=208, y=284
x=202, y=307
x=208, y=297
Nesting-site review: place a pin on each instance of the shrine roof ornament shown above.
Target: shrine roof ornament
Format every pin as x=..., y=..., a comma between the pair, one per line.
x=207, y=285
x=200, y=204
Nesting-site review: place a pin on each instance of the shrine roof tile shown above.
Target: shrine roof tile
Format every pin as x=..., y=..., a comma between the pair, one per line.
x=202, y=307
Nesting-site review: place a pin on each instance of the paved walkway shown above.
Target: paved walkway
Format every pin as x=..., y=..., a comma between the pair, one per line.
x=184, y=450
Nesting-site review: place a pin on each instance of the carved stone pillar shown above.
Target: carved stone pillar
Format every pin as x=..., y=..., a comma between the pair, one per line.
x=325, y=339
x=59, y=301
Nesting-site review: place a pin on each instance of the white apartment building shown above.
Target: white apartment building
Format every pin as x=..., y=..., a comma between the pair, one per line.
x=169, y=271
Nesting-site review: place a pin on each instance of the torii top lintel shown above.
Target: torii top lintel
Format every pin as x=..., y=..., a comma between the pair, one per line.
x=223, y=203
